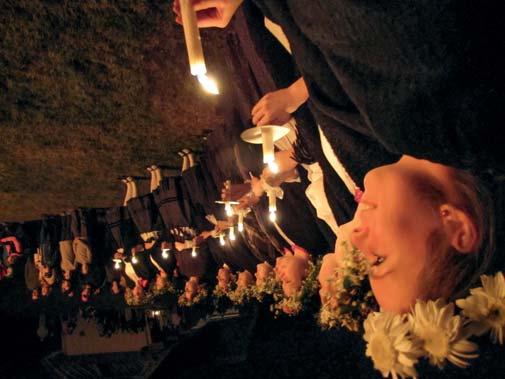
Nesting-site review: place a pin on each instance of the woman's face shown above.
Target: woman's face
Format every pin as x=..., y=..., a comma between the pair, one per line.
x=245, y=279
x=161, y=281
x=392, y=226
x=327, y=276
x=263, y=271
x=190, y=290
x=291, y=270
x=223, y=277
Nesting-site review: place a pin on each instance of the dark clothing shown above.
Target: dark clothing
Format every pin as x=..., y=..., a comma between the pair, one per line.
x=66, y=228
x=122, y=228
x=49, y=241
x=236, y=254
x=167, y=264
x=81, y=218
x=172, y=201
x=201, y=266
x=31, y=274
x=95, y=277
x=144, y=213
x=422, y=79
x=144, y=267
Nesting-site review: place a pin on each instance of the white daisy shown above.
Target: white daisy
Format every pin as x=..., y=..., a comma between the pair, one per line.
x=441, y=333
x=486, y=307
x=392, y=349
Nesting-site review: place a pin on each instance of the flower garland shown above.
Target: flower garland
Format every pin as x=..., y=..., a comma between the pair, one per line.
x=240, y=296
x=352, y=298
x=219, y=292
x=270, y=286
x=292, y=305
x=432, y=330
x=167, y=289
x=198, y=298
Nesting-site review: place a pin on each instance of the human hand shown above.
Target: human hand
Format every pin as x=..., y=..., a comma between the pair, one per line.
x=210, y=13
x=273, y=108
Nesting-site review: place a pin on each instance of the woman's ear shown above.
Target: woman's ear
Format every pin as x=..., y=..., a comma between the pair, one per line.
x=460, y=229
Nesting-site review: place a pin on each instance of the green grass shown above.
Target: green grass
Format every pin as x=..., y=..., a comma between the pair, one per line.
x=88, y=91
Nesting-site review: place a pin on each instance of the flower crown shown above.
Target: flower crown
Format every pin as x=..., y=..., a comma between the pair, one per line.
x=432, y=330
x=219, y=292
x=352, y=298
x=270, y=286
x=198, y=298
x=131, y=300
x=292, y=305
x=167, y=289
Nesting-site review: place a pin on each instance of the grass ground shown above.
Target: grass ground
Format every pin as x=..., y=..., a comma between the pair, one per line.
x=90, y=91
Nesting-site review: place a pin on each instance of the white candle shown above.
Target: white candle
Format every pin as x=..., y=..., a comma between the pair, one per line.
x=192, y=37
x=232, y=234
x=267, y=135
x=241, y=221
x=272, y=202
x=272, y=206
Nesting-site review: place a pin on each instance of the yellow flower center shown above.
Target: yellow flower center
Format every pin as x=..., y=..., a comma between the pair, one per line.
x=382, y=352
x=496, y=316
x=436, y=342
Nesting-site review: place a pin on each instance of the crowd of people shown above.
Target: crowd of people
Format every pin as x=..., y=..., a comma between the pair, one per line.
x=393, y=151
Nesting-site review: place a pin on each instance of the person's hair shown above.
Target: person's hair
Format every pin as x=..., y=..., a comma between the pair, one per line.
x=449, y=273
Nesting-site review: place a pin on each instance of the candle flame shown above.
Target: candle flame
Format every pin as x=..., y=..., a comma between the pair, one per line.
x=221, y=239
x=232, y=234
x=240, y=227
x=273, y=216
x=273, y=166
x=193, y=252
x=208, y=84
x=134, y=260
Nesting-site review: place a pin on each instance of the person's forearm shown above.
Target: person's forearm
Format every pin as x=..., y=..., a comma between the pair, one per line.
x=298, y=93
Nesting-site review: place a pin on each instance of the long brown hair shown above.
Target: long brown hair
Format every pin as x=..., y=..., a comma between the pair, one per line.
x=449, y=273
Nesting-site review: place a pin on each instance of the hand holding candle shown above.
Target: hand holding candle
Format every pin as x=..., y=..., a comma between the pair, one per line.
x=194, y=46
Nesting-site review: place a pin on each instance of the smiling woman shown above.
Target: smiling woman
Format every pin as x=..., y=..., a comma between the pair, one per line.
x=425, y=229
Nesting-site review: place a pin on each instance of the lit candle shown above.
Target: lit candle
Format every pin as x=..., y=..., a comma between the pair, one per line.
x=192, y=37
x=194, y=47
x=117, y=265
x=134, y=260
x=267, y=135
x=221, y=239
x=165, y=253
x=193, y=252
x=272, y=205
x=241, y=221
x=232, y=234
